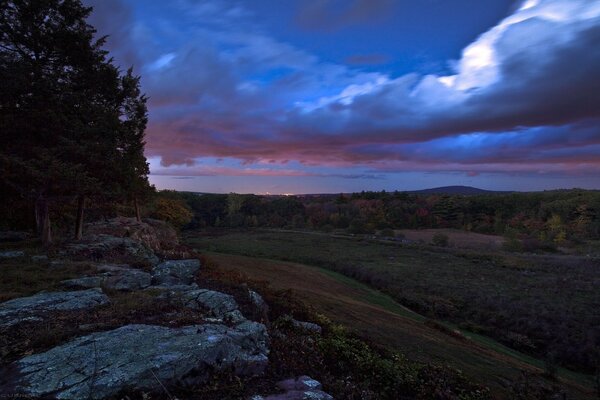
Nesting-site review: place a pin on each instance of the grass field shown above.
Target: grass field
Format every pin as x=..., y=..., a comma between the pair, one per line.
x=470, y=289
x=456, y=238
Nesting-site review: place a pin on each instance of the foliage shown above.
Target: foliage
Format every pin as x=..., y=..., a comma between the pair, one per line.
x=174, y=211
x=440, y=239
x=72, y=123
x=533, y=222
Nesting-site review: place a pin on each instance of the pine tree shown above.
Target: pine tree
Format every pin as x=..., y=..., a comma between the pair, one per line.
x=72, y=125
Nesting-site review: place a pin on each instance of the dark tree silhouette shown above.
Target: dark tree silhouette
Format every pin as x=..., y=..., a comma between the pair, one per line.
x=72, y=124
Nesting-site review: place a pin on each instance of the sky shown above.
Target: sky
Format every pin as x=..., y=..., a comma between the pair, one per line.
x=329, y=96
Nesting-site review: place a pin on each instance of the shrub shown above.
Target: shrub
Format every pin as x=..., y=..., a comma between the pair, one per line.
x=440, y=239
x=174, y=211
x=387, y=233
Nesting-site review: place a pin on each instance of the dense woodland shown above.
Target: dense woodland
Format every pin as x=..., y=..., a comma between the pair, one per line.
x=537, y=220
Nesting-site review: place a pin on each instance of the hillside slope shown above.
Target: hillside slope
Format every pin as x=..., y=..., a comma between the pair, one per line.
x=386, y=322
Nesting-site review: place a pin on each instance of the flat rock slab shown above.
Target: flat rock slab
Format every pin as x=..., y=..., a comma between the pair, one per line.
x=34, y=307
x=175, y=272
x=138, y=357
x=118, y=278
x=302, y=388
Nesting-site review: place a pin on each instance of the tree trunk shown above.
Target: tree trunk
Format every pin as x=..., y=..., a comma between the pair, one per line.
x=79, y=222
x=42, y=219
x=138, y=217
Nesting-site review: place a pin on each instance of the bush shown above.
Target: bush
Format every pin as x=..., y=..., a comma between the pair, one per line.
x=387, y=233
x=174, y=211
x=440, y=239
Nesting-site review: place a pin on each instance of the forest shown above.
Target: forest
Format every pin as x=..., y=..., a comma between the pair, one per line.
x=529, y=221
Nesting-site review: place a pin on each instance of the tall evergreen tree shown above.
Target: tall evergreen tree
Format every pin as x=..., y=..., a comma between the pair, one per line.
x=71, y=123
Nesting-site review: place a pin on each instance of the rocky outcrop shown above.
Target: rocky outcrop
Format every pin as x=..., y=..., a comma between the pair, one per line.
x=110, y=249
x=153, y=234
x=34, y=308
x=115, y=277
x=175, y=272
x=138, y=357
x=302, y=388
x=220, y=306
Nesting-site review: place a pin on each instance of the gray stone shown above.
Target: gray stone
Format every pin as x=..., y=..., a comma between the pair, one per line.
x=302, y=388
x=261, y=309
x=153, y=234
x=112, y=267
x=175, y=272
x=117, y=278
x=128, y=280
x=138, y=357
x=110, y=248
x=11, y=254
x=34, y=307
x=169, y=291
x=308, y=326
x=220, y=305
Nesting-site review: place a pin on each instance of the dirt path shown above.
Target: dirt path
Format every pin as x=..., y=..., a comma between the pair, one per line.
x=379, y=318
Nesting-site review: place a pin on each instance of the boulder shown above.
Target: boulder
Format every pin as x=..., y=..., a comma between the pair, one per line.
x=259, y=306
x=307, y=326
x=302, y=388
x=34, y=307
x=138, y=357
x=115, y=277
x=221, y=306
x=175, y=272
x=111, y=248
x=153, y=234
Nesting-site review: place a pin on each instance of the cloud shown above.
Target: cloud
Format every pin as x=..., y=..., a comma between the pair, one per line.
x=522, y=98
x=211, y=170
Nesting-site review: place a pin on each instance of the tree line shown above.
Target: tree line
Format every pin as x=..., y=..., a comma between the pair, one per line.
x=536, y=219
x=72, y=123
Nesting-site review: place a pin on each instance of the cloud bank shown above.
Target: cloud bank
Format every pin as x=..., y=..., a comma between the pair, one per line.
x=523, y=97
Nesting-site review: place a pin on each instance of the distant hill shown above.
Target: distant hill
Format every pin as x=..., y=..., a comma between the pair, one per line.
x=460, y=190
